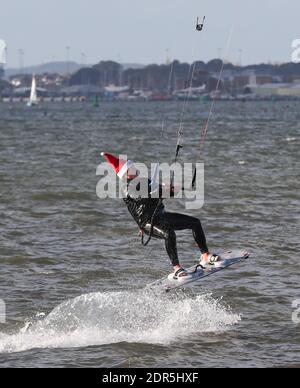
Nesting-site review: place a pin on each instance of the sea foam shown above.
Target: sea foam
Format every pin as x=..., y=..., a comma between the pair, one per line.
x=125, y=316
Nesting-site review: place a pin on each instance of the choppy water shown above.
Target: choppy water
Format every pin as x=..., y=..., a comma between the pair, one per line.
x=72, y=268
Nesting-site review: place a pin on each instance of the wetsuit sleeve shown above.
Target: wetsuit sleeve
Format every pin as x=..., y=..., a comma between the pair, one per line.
x=164, y=191
x=150, y=190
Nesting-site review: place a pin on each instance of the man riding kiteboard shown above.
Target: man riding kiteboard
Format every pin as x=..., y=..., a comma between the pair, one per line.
x=154, y=221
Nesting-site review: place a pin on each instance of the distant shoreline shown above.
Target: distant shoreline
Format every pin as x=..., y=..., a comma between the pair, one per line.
x=86, y=101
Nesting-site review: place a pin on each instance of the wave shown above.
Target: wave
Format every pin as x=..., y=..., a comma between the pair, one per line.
x=125, y=316
x=291, y=139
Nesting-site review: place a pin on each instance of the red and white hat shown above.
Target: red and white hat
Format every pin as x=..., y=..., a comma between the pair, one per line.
x=120, y=166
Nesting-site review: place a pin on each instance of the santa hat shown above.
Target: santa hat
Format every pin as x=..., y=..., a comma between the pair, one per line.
x=120, y=166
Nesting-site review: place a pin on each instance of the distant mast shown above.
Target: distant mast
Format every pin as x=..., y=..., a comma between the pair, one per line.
x=2, y=52
x=33, y=94
x=2, y=56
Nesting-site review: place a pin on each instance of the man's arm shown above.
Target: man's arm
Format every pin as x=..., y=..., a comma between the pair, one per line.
x=165, y=190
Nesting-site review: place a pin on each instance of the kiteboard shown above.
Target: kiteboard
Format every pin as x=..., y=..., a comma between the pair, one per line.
x=198, y=272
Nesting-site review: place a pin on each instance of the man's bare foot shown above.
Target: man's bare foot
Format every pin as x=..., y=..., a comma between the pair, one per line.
x=205, y=257
x=177, y=267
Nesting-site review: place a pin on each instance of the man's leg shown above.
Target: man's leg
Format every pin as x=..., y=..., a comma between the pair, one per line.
x=171, y=247
x=183, y=222
x=169, y=235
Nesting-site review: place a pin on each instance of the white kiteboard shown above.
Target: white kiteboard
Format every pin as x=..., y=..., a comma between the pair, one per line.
x=196, y=273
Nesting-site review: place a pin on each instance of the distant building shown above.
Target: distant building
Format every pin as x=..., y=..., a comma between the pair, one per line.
x=25, y=92
x=112, y=92
x=80, y=90
x=280, y=90
x=264, y=79
x=192, y=93
x=240, y=81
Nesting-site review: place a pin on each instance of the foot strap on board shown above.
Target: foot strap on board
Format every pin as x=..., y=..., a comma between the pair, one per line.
x=178, y=272
x=199, y=266
x=214, y=259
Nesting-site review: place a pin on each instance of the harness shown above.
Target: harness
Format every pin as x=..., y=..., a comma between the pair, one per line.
x=145, y=243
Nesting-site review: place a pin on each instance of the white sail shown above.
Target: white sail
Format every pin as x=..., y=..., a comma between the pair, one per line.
x=33, y=94
x=2, y=52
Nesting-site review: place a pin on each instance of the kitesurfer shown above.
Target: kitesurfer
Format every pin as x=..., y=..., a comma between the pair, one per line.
x=152, y=218
x=199, y=26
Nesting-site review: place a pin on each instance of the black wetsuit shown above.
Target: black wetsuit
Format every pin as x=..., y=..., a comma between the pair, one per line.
x=150, y=211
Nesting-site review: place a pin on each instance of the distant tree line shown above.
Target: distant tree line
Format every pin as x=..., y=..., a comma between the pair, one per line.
x=160, y=77
x=4, y=85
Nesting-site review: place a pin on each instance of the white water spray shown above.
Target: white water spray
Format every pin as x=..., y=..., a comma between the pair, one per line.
x=113, y=317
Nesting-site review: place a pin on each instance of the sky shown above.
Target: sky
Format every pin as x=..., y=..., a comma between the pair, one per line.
x=148, y=31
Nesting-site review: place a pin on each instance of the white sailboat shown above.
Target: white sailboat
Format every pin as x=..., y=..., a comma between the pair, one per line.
x=33, y=101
